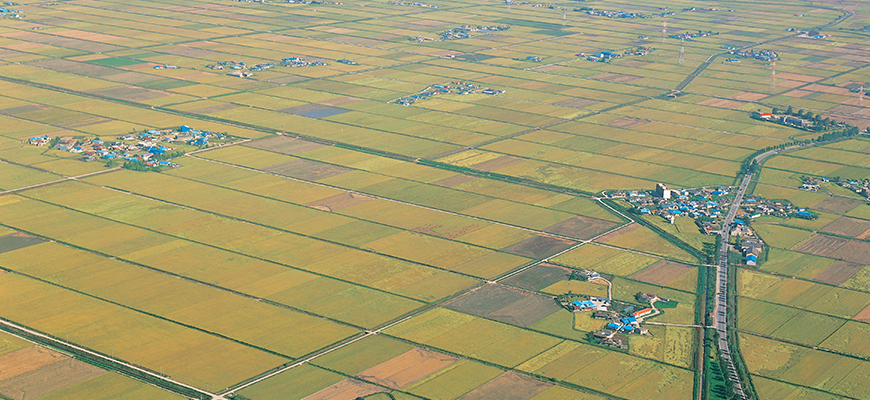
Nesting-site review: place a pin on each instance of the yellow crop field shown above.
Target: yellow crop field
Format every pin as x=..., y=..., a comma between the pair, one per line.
x=605, y=259
x=184, y=354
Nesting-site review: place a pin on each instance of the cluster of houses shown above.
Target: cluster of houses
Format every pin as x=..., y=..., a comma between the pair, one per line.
x=314, y=2
x=692, y=35
x=296, y=62
x=146, y=147
x=465, y=31
x=530, y=58
x=165, y=66
x=607, y=56
x=790, y=120
x=859, y=186
x=537, y=5
x=705, y=205
x=611, y=14
x=763, y=55
x=8, y=13
x=346, y=61
x=455, y=87
x=415, y=4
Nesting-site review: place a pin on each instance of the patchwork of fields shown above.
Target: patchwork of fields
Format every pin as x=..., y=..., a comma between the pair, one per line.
x=342, y=245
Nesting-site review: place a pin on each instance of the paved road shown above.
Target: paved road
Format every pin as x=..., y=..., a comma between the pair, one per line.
x=720, y=319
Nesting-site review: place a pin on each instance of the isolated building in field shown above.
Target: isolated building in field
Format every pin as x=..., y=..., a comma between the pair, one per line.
x=663, y=191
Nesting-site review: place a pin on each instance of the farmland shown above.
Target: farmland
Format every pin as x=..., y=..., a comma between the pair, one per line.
x=392, y=200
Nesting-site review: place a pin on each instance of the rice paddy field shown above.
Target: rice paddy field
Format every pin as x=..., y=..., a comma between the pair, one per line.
x=811, y=292
x=406, y=187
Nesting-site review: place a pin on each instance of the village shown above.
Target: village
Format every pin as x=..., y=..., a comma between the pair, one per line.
x=620, y=323
x=859, y=186
x=455, y=87
x=464, y=31
x=149, y=148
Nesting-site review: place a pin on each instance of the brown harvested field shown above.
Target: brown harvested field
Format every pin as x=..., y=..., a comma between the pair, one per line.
x=539, y=246
x=751, y=96
x=27, y=359
x=455, y=180
x=845, y=226
x=864, y=315
x=346, y=389
x=48, y=379
x=508, y=386
x=829, y=89
x=497, y=163
x=306, y=169
x=796, y=93
x=506, y=305
x=626, y=122
x=789, y=83
x=721, y=103
x=580, y=227
x=284, y=145
x=214, y=109
x=575, y=102
x=14, y=241
x=821, y=245
x=485, y=300
x=854, y=251
x=130, y=93
x=838, y=273
x=525, y=312
x=340, y=101
x=339, y=201
x=407, y=368
x=861, y=123
x=661, y=272
x=615, y=77
x=797, y=77
x=539, y=277
x=836, y=205
x=613, y=235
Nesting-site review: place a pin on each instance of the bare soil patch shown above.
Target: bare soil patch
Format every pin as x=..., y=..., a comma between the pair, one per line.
x=837, y=205
x=821, y=245
x=498, y=163
x=845, y=226
x=407, y=368
x=838, y=273
x=306, y=169
x=48, y=379
x=626, y=122
x=615, y=77
x=796, y=93
x=720, y=103
x=661, y=272
x=346, y=389
x=507, y=305
x=751, y=96
x=854, y=251
x=864, y=315
x=455, y=180
x=508, y=386
x=26, y=360
x=539, y=277
x=526, y=311
x=15, y=241
x=284, y=145
x=580, y=227
x=339, y=201
x=539, y=246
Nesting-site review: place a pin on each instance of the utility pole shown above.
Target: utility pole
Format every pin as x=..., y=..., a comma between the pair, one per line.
x=682, y=49
x=772, y=76
x=664, y=29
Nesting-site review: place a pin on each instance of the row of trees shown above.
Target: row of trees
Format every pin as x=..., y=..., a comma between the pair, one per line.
x=819, y=124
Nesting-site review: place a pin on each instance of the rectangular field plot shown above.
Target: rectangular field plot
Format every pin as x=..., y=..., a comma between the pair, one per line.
x=472, y=336
x=109, y=386
x=638, y=237
x=605, y=260
x=509, y=306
